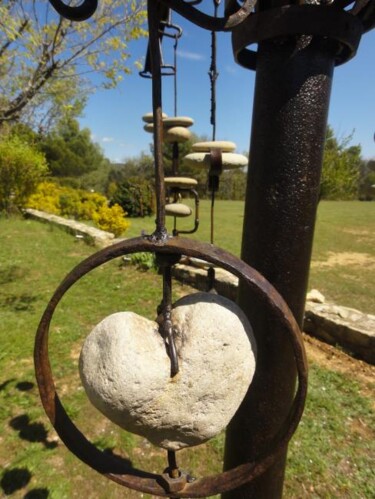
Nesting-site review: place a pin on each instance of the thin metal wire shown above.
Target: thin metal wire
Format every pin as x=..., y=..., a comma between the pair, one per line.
x=213, y=74
x=155, y=60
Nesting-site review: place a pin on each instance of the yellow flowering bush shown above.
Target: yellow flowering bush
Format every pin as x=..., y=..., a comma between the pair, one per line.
x=111, y=219
x=80, y=205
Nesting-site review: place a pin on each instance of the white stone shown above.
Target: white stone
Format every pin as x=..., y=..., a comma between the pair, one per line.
x=181, y=182
x=177, y=210
x=183, y=121
x=149, y=117
x=230, y=160
x=125, y=370
x=201, y=264
x=176, y=134
x=149, y=128
x=315, y=296
x=224, y=145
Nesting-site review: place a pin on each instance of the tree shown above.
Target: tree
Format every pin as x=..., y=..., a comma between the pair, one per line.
x=367, y=181
x=70, y=152
x=21, y=169
x=341, y=168
x=136, y=196
x=44, y=59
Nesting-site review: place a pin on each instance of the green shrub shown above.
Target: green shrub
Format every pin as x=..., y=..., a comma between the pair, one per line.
x=136, y=196
x=21, y=169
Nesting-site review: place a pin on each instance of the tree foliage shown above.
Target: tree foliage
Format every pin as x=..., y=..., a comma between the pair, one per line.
x=45, y=59
x=70, y=151
x=367, y=181
x=21, y=169
x=136, y=196
x=341, y=168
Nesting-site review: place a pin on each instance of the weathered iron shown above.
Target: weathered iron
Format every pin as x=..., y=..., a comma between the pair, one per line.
x=298, y=48
x=119, y=470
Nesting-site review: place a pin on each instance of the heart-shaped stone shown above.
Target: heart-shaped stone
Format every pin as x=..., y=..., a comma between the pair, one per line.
x=125, y=371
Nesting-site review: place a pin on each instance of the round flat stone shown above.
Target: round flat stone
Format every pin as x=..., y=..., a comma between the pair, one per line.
x=181, y=182
x=125, y=370
x=176, y=134
x=184, y=121
x=177, y=210
x=149, y=117
x=149, y=127
x=224, y=145
x=230, y=160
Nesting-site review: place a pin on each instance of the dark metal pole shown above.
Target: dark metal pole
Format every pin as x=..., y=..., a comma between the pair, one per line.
x=292, y=91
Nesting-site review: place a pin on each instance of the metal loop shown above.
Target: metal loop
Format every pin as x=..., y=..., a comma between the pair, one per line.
x=226, y=23
x=77, y=13
x=118, y=469
x=290, y=20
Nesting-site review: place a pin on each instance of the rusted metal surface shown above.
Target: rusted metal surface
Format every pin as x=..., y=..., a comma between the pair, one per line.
x=233, y=18
x=292, y=91
x=195, y=227
x=154, y=12
x=165, y=310
x=77, y=13
x=119, y=470
x=329, y=26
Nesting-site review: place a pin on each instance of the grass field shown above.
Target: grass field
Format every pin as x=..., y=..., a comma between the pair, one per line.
x=331, y=455
x=343, y=260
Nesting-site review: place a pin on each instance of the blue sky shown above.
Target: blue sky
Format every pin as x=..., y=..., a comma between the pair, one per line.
x=115, y=116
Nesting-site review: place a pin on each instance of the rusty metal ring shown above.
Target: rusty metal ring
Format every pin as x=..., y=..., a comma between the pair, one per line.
x=289, y=20
x=118, y=469
x=226, y=23
x=78, y=12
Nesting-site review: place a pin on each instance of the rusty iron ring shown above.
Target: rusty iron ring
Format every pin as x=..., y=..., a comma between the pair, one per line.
x=290, y=20
x=118, y=469
x=199, y=18
x=77, y=13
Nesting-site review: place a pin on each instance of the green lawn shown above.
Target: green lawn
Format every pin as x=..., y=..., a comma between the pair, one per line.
x=331, y=455
x=343, y=261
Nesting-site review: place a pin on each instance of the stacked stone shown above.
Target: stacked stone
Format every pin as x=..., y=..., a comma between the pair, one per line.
x=175, y=130
x=201, y=155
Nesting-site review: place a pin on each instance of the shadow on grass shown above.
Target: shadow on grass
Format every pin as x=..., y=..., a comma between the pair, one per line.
x=32, y=432
x=18, y=303
x=6, y=383
x=25, y=386
x=11, y=273
x=37, y=494
x=15, y=479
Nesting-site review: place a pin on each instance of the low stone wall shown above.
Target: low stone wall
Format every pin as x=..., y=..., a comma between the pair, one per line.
x=345, y=326
x=349, y=328
x=90, y=234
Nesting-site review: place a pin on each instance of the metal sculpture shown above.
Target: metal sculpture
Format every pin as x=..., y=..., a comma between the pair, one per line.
x=298, y=48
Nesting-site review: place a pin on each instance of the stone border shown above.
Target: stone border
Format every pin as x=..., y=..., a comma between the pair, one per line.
x=90, y=234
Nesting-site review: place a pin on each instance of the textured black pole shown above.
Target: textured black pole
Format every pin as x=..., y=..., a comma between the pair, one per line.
x=292, y=91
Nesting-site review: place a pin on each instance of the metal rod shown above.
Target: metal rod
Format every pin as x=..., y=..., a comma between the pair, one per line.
x=167, y=320
x=292, y=91
x=212, y=217
x=155, y=59
x=172, y=464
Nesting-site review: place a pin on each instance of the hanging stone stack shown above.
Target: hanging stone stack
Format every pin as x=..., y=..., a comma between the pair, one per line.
x=175, y=131
x=201, y=155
